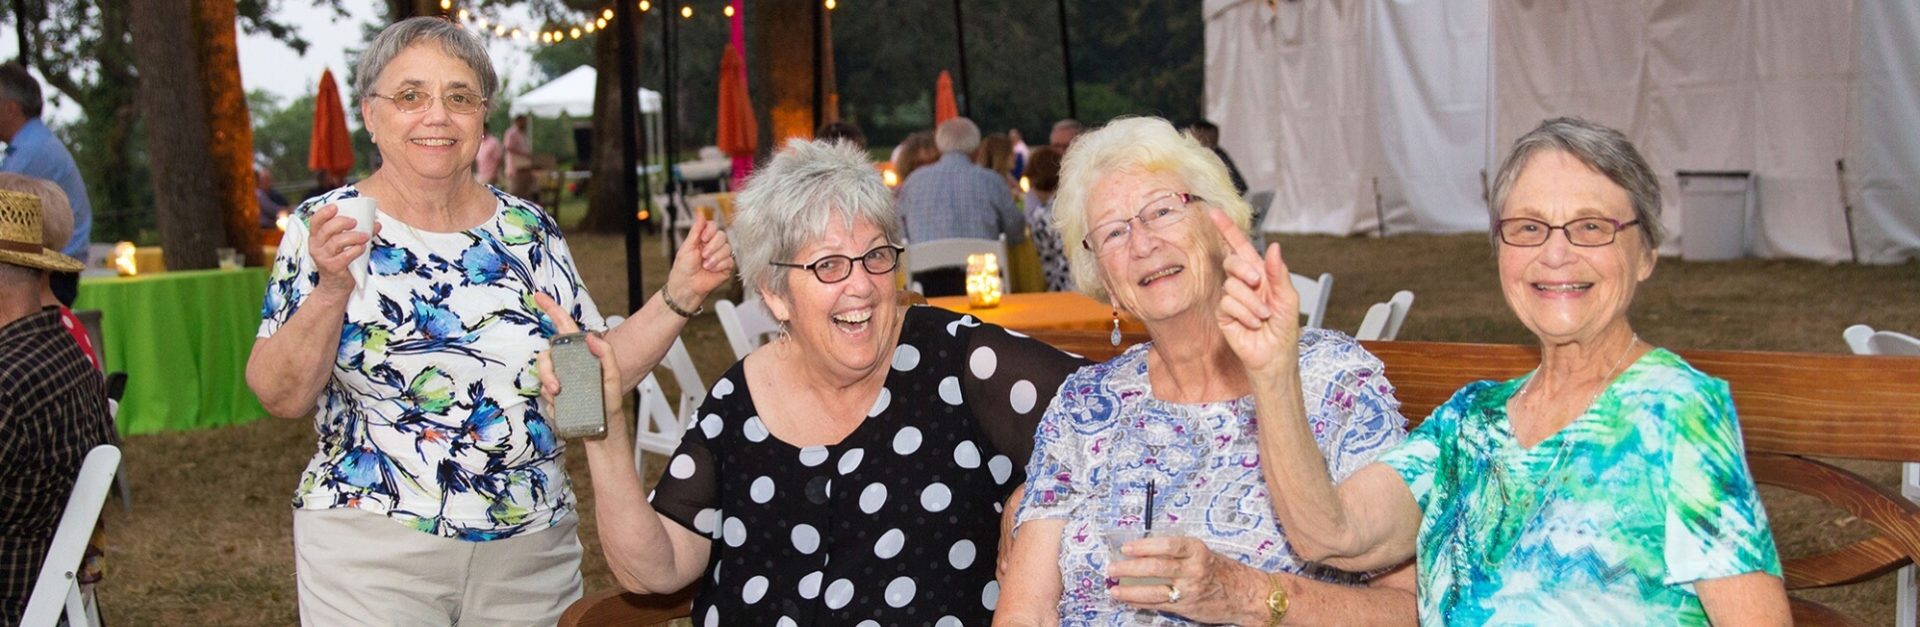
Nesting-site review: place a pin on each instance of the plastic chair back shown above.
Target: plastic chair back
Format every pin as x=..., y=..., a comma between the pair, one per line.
x=1314, y=293
x=57, y=592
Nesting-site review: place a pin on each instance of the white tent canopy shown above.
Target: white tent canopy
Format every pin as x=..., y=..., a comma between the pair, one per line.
x=1372, y=116
x=571, y=95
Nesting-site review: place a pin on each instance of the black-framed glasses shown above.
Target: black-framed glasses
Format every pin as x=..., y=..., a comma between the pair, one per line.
x=1584, y=232
x=836, y=268
x=1160, y=213
x=459, y=101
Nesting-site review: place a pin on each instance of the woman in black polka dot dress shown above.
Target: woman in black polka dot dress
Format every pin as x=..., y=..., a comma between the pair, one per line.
x=853, y=471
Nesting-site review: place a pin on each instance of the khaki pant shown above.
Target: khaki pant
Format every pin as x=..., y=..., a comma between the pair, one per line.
x=522, y=183
x=361, y=568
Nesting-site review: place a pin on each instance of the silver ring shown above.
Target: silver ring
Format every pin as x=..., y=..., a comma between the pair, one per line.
x=1173, y=594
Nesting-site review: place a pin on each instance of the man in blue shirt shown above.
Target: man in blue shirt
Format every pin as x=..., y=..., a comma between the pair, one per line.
x=34, y=151
x=955, y=198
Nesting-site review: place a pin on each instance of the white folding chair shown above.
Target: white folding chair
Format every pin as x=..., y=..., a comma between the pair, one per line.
x=58, y=591
x=747, y=325
x=1314, y=293
x=952, y=253
x=1866, y=341
x=661, y=423
x=1384, y=318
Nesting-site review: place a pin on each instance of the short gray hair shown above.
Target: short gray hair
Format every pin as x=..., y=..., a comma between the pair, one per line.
x=957, y=135
x=397, y=38
x=1133, y=146
x=790, y=202
x=1602, y=148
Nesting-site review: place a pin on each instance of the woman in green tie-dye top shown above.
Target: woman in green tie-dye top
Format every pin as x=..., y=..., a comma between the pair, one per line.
x=1608, y=486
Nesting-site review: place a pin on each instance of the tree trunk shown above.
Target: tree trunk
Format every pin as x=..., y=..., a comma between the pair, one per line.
x=231, y=164
x=171, y=98
x=402, y=9
x=607, y=211
x=782, y=80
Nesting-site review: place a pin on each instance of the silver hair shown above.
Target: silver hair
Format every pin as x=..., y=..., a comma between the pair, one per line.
x=397, y=38
x=1602, y=148
x=1133, y=146
x=957, y=135
x=792, y=200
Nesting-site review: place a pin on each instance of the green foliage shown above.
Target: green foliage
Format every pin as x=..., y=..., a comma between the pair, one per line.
x=283, y=136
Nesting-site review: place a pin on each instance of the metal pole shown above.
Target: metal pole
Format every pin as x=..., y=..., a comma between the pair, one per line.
x=960, y=36
x=627, y=45
x=1066, y=60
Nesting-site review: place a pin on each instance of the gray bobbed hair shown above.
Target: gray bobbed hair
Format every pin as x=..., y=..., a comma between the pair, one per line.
x=1607, y=151
x=791, y=201
x=396, y=38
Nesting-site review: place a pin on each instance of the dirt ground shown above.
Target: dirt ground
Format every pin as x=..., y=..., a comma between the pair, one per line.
x=208, y=539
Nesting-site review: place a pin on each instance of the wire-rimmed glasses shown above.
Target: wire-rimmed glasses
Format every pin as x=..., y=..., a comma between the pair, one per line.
x=1109, y=236
x=1584, y=232
x=458, y=101
x=836, y=268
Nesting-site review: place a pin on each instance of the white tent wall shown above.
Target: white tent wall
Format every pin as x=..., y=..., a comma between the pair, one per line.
x=1318, y=98
x=1756, y=85
x=1884, y=165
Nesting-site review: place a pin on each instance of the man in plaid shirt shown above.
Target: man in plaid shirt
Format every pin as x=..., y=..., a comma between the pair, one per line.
x=955, y=198
x=53, y=404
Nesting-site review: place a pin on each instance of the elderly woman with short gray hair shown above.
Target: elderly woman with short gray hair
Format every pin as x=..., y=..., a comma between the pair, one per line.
x=437, y=492
x=851, y=471
x=1606, y=487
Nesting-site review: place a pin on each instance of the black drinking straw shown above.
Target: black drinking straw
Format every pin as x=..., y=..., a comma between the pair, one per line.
x=1149, y=528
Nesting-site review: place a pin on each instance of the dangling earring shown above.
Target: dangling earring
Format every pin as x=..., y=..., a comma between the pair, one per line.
x=1115, y=336
x=784, y=333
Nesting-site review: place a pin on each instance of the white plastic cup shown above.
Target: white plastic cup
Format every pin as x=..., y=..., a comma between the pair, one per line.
x=1118, y=535
x=361, y=209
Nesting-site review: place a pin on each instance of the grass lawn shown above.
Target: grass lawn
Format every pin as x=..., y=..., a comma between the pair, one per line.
x=208, y=540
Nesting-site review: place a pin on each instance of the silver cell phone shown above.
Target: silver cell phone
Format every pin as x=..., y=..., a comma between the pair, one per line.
x=580, y=409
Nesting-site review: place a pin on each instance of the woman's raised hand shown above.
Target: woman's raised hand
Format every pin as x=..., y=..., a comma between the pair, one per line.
x=1259, y=311
x=611, y=391
x=333, y=245
x=704, y=263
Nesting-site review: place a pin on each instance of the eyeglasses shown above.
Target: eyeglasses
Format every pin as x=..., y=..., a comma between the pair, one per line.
x=1109, y=236
x=460, y=102
x=836, y=268
x=1584, y=232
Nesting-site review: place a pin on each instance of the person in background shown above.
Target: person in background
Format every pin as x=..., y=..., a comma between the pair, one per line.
x=1209, y=135
x=53, y=402
x=955, y=198
x=1064, y=133
x=1044, y=176
x=842, y=130
x=33, y=150
x=272, y=205
x=1021, y=153
x=486, y=165
x=519, y=157
x=323, y=182
x=914, y=152
x=437, y=492
x=996, y=154
x=56, y=225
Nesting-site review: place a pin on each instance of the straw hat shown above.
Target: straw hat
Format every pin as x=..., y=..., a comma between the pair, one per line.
x=20, y=236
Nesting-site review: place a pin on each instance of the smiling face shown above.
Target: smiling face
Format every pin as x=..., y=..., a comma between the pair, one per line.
x=1561, y=292
x=1155, y=274
x=433, y=143
x=849, y=326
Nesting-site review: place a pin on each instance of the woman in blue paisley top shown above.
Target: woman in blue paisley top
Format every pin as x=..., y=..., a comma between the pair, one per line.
x=437, y=492
x=1150, y=217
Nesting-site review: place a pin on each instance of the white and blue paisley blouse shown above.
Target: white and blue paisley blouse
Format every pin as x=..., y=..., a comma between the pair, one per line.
x=431, y=415
x=1106, y=437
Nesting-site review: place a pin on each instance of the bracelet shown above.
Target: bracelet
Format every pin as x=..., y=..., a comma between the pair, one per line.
x=681, y=311
x=1277, y=601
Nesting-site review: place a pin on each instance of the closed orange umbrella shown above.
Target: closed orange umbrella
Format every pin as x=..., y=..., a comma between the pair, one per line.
x=332, y=148
x=943, y=105
x=739, y=134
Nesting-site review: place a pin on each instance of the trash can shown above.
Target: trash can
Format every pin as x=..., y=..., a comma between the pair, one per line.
x=1714, y=206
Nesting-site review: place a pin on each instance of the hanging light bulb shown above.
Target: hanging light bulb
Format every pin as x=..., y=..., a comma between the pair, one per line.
x=516, y=34
x=606, y=14
x=588, y=27
x=575, y=33
x=463, y=15
x=686, y=12
x=446, y=4
x=645, y=6
x=728, y=11
x=499, y=30
x=831, y=5
x=481, y=22
x=601, y=23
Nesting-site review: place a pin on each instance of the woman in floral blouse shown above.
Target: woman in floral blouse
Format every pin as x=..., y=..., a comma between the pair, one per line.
x=437, y=492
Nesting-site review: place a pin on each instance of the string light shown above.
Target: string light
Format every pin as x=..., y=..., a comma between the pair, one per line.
x=553, y=33
x=605, y=14
x=463, y=15
x=446, y=4
x=600, y=23
x=728, y=11
x=831, y=5
x=589, y=28
x=645, y=6
x=575, y=33
x=686, y=12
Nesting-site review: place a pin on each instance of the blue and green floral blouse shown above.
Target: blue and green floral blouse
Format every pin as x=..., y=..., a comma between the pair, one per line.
x=431, y=415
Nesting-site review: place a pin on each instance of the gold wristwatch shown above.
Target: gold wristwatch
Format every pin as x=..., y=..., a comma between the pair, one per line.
x=1277, y=601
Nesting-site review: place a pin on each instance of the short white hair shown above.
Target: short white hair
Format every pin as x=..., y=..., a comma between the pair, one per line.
x=791, y=200
x=957, y=135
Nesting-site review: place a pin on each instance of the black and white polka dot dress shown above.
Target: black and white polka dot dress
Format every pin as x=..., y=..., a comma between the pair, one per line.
x=898, y=523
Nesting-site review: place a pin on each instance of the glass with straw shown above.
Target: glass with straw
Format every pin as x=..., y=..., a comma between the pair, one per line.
x=1121, y=533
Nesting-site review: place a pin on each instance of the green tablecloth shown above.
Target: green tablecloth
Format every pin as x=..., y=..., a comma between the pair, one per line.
x=183, y=339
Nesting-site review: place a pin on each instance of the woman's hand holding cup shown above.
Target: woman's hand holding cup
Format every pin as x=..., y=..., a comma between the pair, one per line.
x=336, y=243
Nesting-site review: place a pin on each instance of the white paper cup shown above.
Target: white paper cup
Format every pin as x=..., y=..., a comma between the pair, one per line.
x=361, y=209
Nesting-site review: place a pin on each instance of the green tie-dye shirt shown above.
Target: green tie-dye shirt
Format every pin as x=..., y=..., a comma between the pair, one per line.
x=1650, y=494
